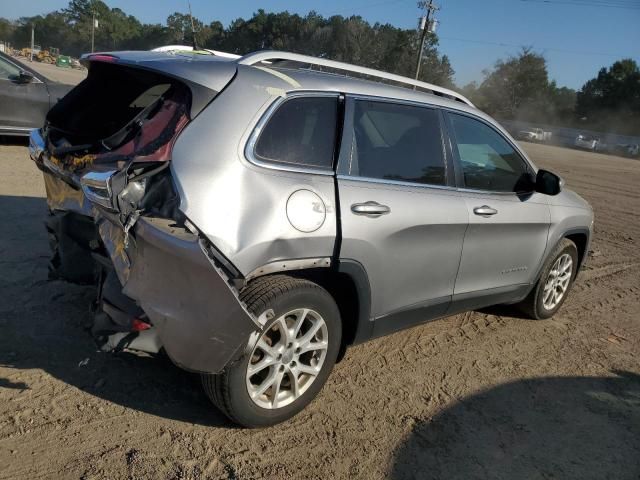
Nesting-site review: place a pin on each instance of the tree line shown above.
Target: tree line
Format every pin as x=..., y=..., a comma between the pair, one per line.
x=518, y=87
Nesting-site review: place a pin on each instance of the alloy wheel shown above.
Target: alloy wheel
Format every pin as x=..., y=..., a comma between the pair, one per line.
x=287, y=358
x=557, y=282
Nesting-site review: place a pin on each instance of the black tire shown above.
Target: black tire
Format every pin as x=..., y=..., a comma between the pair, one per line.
x=533, y=305
x=280, y=293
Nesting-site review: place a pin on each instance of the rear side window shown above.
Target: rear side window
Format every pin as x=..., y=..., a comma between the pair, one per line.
x=302, y=132
x=488, y=161
x=397, y=142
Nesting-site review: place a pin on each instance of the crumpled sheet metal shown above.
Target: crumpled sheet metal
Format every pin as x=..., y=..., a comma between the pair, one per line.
x=61, y=196
x=113, y=239
x=200, y=320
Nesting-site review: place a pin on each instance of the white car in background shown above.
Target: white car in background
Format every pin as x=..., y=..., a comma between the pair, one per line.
x=628, y=149
x=587, y=142
x=534, y=135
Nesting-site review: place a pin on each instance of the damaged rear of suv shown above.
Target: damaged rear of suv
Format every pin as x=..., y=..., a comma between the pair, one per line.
x=105, y=152
x=253, y=217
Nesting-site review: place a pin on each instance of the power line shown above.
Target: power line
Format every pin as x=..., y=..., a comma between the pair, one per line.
x=366, y=5
x=615, y=3
x=589, y=3
x=501, y=44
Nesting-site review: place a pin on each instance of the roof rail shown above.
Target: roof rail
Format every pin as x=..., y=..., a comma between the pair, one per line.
x=188, y=48
x=272, y=55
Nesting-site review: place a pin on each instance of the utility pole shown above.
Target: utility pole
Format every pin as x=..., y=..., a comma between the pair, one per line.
x=93, y=28
x=33, y=36
x=427, y=26
x=193, y=29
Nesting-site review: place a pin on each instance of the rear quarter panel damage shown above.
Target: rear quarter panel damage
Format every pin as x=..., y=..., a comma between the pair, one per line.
x=198, y=316
x=242, y=207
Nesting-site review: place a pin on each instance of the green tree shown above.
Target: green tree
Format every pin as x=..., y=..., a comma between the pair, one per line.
x=518, y=83
x=562, y=103
x=50, y=31
x=121, y=28
x=6, y=29
x=349, y=39
x=612, y=99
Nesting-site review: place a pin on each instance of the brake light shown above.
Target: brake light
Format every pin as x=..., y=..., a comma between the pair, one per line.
x=100, y=57
x=138, y=325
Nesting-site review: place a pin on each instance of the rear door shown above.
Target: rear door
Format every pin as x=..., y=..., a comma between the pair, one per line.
x=22, y=105
x=401, y=217
x=508, y=222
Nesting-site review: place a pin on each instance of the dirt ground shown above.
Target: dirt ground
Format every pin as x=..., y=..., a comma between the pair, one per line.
x=479, y=395
x=68, y=76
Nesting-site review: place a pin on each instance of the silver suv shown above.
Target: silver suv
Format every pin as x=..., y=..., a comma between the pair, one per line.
x=253, y=217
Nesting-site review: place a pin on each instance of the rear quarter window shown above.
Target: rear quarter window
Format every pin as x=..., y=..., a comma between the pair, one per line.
x=302, y=132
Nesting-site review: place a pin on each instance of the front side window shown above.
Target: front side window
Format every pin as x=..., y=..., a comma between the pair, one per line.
x=488, y=161
x=8, y=71
x=301, y=132
x=397, y=142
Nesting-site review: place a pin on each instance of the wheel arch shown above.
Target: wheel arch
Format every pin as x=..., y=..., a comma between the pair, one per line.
x=581, y=237
x=347, y=282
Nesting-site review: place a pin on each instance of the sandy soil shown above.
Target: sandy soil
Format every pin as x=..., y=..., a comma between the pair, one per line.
x=479, y=395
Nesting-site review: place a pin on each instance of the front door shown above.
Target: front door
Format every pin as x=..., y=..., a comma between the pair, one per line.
x=22, y=105
x=401, y=217
x=508, y=222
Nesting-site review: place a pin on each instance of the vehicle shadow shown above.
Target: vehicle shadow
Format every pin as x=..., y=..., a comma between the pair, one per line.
x=554, y=427
x=43, y=326
x=504, y=310
x=13, y=140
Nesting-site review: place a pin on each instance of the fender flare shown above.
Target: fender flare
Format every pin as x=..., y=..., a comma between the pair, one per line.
x=565, y=234
x=355, y=270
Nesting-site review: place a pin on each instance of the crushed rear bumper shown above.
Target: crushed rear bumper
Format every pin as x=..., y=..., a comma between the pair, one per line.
x=198, y=316
x=192, y=305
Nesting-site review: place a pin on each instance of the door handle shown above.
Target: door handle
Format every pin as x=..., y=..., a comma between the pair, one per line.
x=485, y=211
x=371, y=209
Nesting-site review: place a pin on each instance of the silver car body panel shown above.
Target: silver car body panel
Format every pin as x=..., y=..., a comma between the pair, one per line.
x=429, y=251
x=506, y=248
x=218, y=182
x=253, y=231
x=412, y=254
x=570, y=214
x=238, y=205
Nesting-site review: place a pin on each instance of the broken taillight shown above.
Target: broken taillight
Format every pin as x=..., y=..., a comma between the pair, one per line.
x=97, y=187
x=139, y=325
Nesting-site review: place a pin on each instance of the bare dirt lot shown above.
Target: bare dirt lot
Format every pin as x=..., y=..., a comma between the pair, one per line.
x=68, y=76
x=479, y=395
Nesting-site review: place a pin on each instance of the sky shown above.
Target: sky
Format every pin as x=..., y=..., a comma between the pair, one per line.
x=577, y=40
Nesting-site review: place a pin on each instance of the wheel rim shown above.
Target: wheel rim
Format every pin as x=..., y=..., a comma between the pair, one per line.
x=557, y=282
x=287, y=358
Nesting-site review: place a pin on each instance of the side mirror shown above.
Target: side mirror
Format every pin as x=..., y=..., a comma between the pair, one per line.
x=23, y=77
x=548, y=183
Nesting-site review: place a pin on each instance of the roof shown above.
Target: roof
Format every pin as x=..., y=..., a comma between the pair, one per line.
x=269, y=57
x=289, y=80
x=298, y=71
